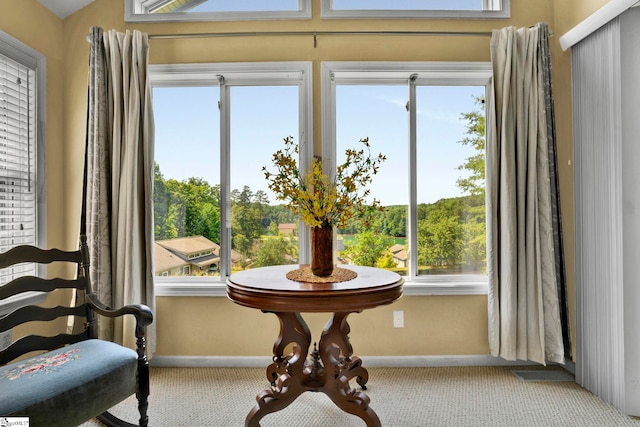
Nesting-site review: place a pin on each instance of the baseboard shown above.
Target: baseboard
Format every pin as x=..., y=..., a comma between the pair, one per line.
x=210, y=361
x=570, y=366
x=368, y=361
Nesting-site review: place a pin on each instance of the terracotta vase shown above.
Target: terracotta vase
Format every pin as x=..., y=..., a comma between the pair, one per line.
x=322, y=250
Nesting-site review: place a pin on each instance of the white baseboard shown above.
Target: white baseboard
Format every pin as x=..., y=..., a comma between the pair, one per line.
x=368, y=361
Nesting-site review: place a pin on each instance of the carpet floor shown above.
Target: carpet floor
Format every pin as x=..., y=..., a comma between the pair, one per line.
x=402, y=397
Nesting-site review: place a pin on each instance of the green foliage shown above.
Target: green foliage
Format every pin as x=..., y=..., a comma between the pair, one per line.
x=367, y=248
x=185, y=208
x=246, y=219
x=274, y=251
x=451, y=234
x=475, y=165
x=386, y=261
x=440, y=233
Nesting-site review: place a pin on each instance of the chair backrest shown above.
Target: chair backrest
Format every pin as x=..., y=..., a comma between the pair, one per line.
x=17, y=257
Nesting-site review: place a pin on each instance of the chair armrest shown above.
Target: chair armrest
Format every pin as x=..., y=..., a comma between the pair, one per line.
x=142, y=313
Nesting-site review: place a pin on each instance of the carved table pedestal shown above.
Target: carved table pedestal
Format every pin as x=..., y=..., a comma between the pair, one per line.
x=330, y=366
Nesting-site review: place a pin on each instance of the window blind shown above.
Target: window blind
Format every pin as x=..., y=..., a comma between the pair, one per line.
x=17, y=159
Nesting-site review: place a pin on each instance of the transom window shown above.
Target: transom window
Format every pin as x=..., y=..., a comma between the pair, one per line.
x=393, y=9
x=215, y=10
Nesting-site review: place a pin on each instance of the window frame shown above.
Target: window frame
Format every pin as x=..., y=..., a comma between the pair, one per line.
x=492, y=9
x=30, y=58
x=226, y=76
x=133, y=12
x=410, y=74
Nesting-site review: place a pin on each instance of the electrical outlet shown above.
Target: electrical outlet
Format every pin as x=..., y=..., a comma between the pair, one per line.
x=398, y=319
x=5, y=339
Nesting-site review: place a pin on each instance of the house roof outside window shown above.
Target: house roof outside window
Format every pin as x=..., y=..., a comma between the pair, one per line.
x=183, y=246
x=164, y=260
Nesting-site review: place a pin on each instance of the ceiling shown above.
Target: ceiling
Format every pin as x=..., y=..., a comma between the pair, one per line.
x=64, y=8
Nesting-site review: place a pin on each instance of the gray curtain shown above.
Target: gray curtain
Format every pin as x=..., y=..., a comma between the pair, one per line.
x=527, y=316
x=119, y=173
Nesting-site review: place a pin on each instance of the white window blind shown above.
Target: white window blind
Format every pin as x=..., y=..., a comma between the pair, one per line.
x=17, y=159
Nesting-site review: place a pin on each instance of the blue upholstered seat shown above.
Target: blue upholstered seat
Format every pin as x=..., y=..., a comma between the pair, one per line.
x=91, y=376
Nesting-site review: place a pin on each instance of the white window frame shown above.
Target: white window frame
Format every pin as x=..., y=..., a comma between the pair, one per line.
x=410, y=74
x=134, y=11
x=226, y=76
x=29, y=57
x=492, y=9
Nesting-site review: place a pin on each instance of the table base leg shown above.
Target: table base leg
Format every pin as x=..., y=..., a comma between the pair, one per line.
x=328, y=369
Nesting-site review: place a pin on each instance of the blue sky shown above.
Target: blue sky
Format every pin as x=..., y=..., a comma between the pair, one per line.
x=187, y=133
x=262, y=5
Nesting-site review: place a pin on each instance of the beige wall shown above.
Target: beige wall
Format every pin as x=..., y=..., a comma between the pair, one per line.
x=569, y=13
x=434, y=325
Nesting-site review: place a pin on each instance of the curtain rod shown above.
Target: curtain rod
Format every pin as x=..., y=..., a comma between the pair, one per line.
x=315, y=34
x=320, y=33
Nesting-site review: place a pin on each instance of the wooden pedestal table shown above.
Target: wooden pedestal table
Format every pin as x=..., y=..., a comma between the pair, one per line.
x=331, y=365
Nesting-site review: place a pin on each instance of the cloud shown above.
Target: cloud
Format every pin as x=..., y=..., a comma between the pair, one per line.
x=429, y=113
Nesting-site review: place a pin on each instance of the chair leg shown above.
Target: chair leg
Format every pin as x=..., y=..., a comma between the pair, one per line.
x=143, y=391
x=143, y=376
x=110, y=420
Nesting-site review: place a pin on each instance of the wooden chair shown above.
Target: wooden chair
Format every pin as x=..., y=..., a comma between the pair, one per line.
x=78, y=377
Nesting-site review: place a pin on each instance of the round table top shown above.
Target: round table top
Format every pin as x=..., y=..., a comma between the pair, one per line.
x=268, y=289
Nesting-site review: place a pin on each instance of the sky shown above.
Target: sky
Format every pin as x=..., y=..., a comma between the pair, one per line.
x=187, y=134
x=262, y=5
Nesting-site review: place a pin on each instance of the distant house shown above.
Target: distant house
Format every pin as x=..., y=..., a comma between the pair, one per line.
x=186, y=256
x=288, y=229
x=400, y=255
x=168, y=264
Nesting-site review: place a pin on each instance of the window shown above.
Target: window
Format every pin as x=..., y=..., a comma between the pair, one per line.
x=215, y=10
x=420, y=9
x=432, y=184
x=22, y=197
x=216, y=126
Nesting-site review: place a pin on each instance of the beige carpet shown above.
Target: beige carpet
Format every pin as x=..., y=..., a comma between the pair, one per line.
x=402, y=397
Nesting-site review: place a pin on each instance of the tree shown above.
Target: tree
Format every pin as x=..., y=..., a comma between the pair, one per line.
x=440, y=233
x=185, y=208
x=274, y=251
x=394, y=221
x=474, y=183
x=160, y=205
x=474, y=216
x=176, y=216
x=247, y=213
x=367, y=247
x=386, y=261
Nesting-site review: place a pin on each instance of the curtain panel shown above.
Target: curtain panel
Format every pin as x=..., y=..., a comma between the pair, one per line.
x=119, y=172
x=524, y=251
